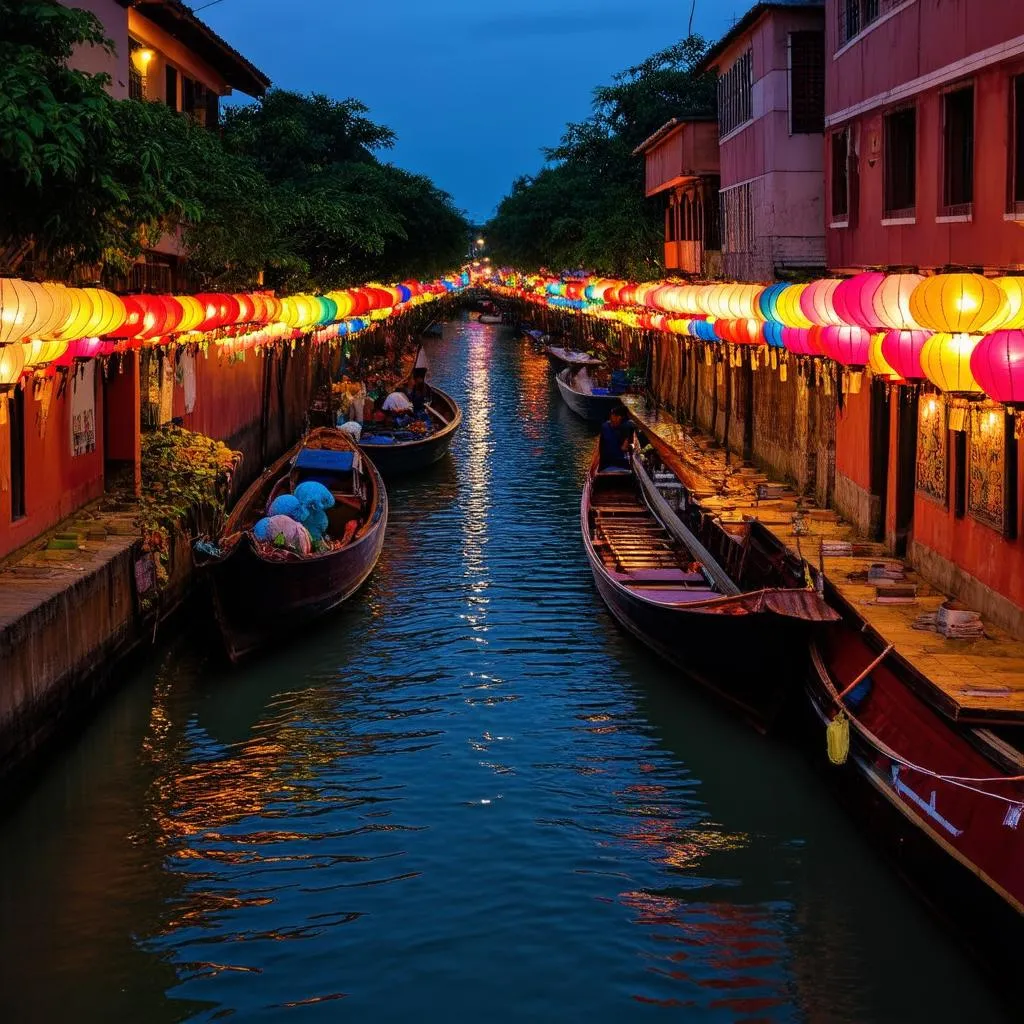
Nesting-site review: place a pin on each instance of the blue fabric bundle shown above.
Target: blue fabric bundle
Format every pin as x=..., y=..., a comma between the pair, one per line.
x=313, y=494
x=288, y=505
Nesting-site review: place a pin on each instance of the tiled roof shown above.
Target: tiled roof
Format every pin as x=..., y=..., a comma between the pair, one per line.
x=178, y=20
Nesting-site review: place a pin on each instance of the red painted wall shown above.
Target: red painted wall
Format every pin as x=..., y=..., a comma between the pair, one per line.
x=56, y=483
x=933, y=38
x=853, y=437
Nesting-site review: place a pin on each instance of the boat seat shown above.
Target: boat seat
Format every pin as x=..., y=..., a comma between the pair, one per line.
x=665, y=576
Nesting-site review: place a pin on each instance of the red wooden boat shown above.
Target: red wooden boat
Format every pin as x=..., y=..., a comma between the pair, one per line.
x=944, y=794
x=260, y=596
x=748, y=645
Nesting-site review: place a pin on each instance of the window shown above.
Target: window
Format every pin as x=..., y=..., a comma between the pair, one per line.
x=856, y=15
x=841, y=175
x=734, y=88
x=136, y=81
x=171, y=87
x=1017, y=144
x=737, y=219
x=806, y=82
x=958, y=151
x=17, y=439
x=901, y=163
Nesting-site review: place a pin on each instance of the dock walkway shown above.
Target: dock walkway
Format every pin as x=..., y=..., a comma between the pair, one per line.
x=972, y=680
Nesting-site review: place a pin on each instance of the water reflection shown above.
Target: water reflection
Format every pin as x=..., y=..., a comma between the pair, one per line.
x=467, y=792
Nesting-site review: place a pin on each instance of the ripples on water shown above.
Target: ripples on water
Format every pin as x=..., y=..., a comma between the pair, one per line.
x=467, y=796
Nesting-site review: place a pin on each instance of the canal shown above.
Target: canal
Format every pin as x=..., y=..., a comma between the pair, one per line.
x=467, y=796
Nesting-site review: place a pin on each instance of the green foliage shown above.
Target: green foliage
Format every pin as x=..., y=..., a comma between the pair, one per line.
x=586, y=208
x=185, y=480
x=293, y=189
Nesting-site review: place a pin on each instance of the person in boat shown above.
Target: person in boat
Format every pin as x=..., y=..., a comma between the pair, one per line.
x=419, y=391
x=616, y=437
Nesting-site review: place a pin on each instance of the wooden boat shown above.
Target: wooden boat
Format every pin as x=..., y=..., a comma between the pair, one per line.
x=560, y=357
x=260, y=596
x=397, y=451
x=592, y=404
x=746, y=644
x=942, y=787
x=491, y=318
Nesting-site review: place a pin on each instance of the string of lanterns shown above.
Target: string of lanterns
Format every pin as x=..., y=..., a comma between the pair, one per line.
x=963, y=332
x=46, y=326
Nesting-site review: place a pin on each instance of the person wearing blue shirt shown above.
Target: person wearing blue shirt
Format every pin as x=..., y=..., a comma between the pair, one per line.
x=616, y=435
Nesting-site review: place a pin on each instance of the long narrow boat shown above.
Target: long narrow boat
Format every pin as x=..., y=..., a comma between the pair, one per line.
x=400, y=451
x=748, y=645
x=560, y=357
x=260, y=595
x=944, y=794
x=593, y=404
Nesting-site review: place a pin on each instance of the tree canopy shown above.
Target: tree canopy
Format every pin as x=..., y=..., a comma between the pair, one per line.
x=586, y=207
x=290, y=186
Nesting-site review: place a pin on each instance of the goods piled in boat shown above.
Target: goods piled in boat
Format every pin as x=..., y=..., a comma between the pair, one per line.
x=298, y=523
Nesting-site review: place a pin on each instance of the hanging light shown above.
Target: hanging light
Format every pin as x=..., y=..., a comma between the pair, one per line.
x=39, y=352
x=854, y=300
x=877, y=361
x=193, y=313
x=956, y=303
x=12, y=362
x=1011, y=316
x=789, y=307
x=902, y=351
x=997, y=364
x=891, y=301
x=107, y=313
x=848, y=345
x=768, y=300
x=946, y=361
x=24, y=307
x=60, y=300
x=816, y=302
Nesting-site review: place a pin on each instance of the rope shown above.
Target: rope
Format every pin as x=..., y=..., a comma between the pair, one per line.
x=959, y=781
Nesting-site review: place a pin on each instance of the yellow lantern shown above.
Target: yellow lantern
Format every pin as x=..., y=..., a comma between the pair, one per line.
x=344, y=301
x=789, y=309
x=12, y=362
x=193, y=313
x=1011, y=316
x=60, y=308
x=956, y=303
x=877, y=361
x=78, y=317
x=108, y=313
x=39, y=352
x=946, y=361
x=24, y=307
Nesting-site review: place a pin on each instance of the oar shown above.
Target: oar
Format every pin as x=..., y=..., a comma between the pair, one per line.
x=866, y=672
x=439, y=415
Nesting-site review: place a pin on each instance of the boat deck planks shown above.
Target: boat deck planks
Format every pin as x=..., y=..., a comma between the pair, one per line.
x=970, y=680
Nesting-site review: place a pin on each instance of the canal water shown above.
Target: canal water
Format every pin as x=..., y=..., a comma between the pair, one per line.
x=466, y=797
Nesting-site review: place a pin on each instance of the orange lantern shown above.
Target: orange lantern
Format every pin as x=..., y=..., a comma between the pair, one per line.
x=946, y=361
x=1011, y=316
x=956, y=303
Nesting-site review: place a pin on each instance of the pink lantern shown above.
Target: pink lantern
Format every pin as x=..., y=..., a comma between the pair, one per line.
x=848, y=345
x=854, y=297
x=87, y=348
x=816, y=302
x=797, y=341
x=997, y=364
x=902, y=351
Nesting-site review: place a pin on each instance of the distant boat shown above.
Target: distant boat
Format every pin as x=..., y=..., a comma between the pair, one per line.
x=260, y=596
x=593, y=404
x=748, y=645
x=395, y=451
x=491, y=318
x=563, y=357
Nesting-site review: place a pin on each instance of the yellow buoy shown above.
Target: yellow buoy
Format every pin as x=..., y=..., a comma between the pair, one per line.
x=837, y=737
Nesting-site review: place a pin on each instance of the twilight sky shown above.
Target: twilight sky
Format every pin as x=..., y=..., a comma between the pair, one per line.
x=473, y=89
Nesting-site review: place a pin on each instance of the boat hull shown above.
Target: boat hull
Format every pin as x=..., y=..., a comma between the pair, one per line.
x=259, y=600
x=592, y=408
x=412, y=456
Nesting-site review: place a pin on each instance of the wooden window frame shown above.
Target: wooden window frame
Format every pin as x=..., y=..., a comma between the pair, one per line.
x=892, y=212
x=963, y=209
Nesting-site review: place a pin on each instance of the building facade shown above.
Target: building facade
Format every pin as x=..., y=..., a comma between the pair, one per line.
x=925, y=122
x=925, y=158
x=771, y=72
x=681, y=163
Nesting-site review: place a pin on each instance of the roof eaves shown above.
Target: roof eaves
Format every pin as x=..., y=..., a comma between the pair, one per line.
x=748, y=21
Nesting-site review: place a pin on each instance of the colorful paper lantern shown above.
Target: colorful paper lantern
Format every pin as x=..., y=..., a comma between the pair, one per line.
x=193, y=313
x=789, y=306
x=956, y=303
x=848, y=345
x=107, y=314
x=39, y=352
x=24, y=307
x=946, y=361
x=767, y=301
x=12, y=362
x=1011, y=315
x=854, y=300
x=890, y=302
x=877, y=362
x=795, y=340
x=902, y=351
x=997, y=364
x=817, y=302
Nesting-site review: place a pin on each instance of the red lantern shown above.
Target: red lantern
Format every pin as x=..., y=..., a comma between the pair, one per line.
x=997, y=364
x=848, y=345
x=902, y=351
x=748, y=332
x=162, y=314
x=246, y=308
x=134, y=318
x=854, y=297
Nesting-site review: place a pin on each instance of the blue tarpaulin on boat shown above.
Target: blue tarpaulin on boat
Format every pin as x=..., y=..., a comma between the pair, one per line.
x=322, y=459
